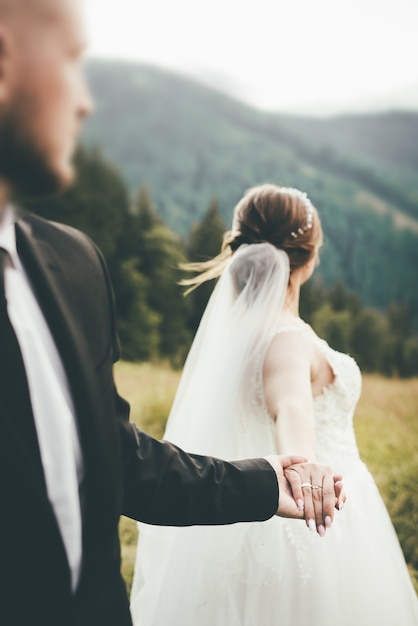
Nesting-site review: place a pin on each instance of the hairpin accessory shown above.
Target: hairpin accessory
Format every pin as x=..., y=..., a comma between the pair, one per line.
x=303, y=197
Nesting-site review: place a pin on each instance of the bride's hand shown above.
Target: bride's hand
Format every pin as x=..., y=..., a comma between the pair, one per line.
x=287, y=503
x=319, y=490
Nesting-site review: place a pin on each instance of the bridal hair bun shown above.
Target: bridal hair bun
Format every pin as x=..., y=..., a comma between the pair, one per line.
x=281, y=216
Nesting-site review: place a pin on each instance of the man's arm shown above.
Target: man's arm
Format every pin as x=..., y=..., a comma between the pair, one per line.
x=166, y=486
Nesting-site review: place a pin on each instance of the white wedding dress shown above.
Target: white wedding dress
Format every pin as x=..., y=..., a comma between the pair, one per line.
x=279, y=572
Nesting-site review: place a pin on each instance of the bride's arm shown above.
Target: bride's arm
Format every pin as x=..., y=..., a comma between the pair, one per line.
x=288, y=393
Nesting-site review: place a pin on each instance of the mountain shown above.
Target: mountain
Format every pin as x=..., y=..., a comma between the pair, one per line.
x=189, y=143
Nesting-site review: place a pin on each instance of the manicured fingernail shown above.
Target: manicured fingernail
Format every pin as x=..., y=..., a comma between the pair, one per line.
x=328, y=521
x=341, y=506
x=311, y=525
x=300, y=504
x=321, y=531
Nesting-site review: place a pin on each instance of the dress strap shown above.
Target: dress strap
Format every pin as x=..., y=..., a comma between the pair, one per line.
x=304, y=330
x=279, y=330
x=285, y=329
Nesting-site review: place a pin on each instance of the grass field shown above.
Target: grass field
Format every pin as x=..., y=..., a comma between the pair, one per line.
x=387, y=432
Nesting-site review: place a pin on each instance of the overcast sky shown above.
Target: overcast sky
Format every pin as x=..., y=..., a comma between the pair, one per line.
x=276, y=53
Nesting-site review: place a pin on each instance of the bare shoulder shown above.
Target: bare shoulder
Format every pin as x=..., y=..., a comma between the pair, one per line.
x=288, y=348
x=287, y=373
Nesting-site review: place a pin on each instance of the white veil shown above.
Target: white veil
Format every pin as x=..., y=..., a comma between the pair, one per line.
x=217, y=386
x=214, y=413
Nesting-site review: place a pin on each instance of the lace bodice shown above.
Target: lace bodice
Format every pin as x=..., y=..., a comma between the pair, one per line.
x=334, y=407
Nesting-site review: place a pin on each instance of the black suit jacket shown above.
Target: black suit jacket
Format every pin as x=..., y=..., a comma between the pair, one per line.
x=126, y=471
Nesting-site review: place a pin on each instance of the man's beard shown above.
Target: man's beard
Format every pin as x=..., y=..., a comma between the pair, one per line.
x=23, y=165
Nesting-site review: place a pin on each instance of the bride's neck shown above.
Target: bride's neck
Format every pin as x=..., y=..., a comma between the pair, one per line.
x=291, y=303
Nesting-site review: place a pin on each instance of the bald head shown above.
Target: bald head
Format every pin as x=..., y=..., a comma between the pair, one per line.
x=35, y=11
x=16, y=6
x=26, y=21
x=10, y=8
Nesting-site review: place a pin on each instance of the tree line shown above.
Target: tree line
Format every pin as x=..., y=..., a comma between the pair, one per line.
x=156, y=321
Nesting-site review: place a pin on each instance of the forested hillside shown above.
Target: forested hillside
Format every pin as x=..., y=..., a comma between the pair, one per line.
x=188, y=144
x=143, y=255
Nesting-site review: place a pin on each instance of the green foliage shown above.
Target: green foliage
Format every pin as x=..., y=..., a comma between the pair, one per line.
x=378, y=342
x=158, y=256
x=332, y=325
x=369, y=331
x=204, y=243
x=145, y=211
x=205, y=237
x=138, y=323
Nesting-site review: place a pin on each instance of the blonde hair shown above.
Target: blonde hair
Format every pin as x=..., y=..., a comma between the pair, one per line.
x=281, y=216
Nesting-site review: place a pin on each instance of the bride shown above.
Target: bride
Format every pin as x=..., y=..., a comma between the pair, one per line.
x=259, y=381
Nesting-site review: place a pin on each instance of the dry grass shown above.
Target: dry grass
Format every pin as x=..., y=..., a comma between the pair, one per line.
x=387, y=432
x=386, y=425
x=150, y=389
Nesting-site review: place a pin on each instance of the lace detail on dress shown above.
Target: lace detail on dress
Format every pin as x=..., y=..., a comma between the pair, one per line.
x=259, y=403
x=334, y=407
x=334, y=411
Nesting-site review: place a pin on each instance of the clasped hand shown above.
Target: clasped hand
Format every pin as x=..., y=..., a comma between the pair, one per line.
x=308, y=491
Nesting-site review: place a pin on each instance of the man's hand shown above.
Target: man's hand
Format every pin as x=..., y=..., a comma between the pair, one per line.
x=307, y=491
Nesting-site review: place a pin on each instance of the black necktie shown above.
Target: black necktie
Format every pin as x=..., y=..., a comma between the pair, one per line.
x=14, y=391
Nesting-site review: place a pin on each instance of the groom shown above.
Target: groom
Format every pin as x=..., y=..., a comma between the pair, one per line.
x=70, y=461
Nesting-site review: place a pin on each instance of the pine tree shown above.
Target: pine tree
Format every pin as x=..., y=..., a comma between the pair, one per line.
x=204, y=243
x=158, y=254
x=145, y=210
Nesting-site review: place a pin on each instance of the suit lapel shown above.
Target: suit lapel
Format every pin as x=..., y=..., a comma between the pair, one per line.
x=48, y=279
x=48, y=273
x=54, y=294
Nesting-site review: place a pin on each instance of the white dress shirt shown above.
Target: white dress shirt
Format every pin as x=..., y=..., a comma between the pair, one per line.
x=51, y=400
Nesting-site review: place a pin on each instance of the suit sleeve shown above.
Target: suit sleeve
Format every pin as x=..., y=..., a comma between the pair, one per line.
x=164, y=485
